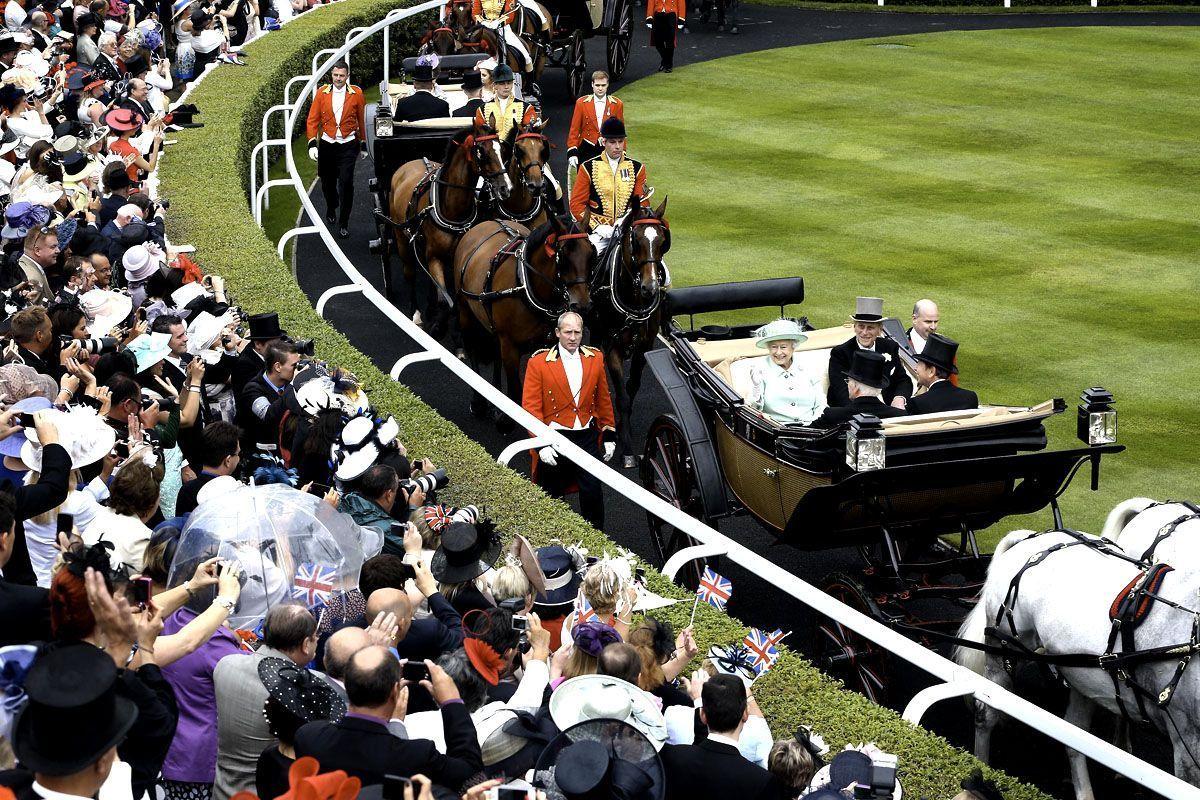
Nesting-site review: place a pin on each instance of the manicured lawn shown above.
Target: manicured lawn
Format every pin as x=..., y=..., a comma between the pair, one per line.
x=1042, y=185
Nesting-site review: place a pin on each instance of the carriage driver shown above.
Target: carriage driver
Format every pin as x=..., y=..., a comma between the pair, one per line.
x=499, y=16
x=605, y=184
x=780, y=388
x=508, y=112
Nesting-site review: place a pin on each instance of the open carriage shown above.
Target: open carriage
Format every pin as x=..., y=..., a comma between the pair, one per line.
x=612, y=19
x=899, y=489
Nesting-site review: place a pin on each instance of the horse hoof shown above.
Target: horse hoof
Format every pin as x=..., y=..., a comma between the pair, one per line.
x=630, y=462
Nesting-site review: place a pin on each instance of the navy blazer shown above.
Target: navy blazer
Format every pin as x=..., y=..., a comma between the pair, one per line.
x=432, y=636
x=839, y=364
x=714, y=770
x=367, y=749
x=943, y=396
x=420, y=105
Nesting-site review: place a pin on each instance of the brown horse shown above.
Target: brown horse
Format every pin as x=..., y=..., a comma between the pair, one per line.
x=440, y=39
x=512, y=285
x=528, y=164
x=433, y=205
x=627, y=291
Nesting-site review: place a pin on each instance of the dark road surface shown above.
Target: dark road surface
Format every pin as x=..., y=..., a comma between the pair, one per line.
x=753, y=601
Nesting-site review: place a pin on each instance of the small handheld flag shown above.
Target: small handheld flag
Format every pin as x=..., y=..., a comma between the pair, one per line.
x=714, y=590
x=314, y=584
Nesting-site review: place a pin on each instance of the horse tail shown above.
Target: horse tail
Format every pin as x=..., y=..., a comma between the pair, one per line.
x=1122, y=515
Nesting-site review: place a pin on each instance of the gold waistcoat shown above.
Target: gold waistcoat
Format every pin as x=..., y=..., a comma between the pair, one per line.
x=613, y=191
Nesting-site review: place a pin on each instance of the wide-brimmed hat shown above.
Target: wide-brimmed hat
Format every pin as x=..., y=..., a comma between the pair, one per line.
x=179, y=6
x=22, y=78
x=8, y=45
x=778, y=331
x=939, y=352
x=562, y=581
x=868, y=309
x=105, y=309
x=868, y=368
x=360, y=445
x=601, y=759
x=205, y=330
x=612, y=128
x=502, y=74
x=122, y=119
x=12, y=445
x=139, y=263
x=81, y=431
x=19, y=381
x=78, y=168
x=74, y=715
x=264, y=327
x=323, y=393
x=466, y=551
x=591, y=697
x=149, y=349
x=305, y=695
x=21, y=217
x=188, y=292
x=32, y=61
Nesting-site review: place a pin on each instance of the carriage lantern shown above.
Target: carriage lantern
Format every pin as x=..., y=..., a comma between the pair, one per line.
x=1097, y=423
x=383, y=123
x=866, y=448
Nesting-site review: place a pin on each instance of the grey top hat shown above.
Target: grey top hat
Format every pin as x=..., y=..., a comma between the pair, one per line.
x=868, y=309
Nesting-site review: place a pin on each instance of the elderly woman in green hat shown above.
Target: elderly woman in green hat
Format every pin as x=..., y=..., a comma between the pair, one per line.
x=780, y=388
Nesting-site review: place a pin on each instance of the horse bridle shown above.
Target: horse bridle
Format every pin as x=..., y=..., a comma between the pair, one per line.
x=524, y=168
x=472, y=142
x=634, y=313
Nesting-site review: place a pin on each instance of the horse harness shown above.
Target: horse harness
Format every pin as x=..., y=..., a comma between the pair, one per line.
x=517, y=248
x=608, y=276
x=539, y=199
x=1130, y=608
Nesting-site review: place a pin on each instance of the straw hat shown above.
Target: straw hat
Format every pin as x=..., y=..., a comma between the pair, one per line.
x=105, y=309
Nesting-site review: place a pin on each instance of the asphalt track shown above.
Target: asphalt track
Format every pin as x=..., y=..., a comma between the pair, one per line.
x=754, y=601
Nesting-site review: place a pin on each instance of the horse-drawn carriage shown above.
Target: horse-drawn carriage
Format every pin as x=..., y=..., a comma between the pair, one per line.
x=891, y=488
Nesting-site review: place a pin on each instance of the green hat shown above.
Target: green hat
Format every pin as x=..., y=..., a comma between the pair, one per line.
x=502, y=74
x=780, y=330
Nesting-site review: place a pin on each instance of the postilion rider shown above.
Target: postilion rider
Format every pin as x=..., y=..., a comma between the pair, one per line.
x=499, y=15
x=606, y=184
x=566, y=387
x=506, y=111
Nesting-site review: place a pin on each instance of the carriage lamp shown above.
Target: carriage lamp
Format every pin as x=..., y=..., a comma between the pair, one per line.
x=1097, y=422
x=866, y=447
x=383, y=124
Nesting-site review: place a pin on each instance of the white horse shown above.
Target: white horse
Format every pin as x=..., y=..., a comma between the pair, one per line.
x=1062, y=609
x=1136, y=524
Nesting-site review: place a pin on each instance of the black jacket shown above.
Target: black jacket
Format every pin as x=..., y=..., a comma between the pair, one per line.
x=367, y=749
x=106, y=68
x=473, y=105
x=839, y=364
x=431, y=636
x=261, y=433
x=185, y=501
x=108, y=210
x=840, y=415
x=49, y=492
x=715, y=771
x=468, y=598
x=146, y=746
x=421, y=105
x=943, y=396
x=26, y=611
x=249, y=364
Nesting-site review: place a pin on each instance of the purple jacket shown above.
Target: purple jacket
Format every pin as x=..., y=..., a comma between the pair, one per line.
x=193, y=754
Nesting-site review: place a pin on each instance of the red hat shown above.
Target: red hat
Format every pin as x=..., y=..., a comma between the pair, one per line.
x=122, y=119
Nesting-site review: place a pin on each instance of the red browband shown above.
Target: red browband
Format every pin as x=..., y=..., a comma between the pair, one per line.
x=554, y=238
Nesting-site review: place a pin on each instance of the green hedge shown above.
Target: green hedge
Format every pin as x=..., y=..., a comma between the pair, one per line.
x=201, y=174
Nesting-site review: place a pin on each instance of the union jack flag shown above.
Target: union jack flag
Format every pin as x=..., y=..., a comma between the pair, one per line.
x=314, y=584
x=714, y=589
x=763, y=652
x=583, y=610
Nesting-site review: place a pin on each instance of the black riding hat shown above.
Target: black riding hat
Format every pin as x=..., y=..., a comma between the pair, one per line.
x=867, y=368
x=612, y=128
x=939, y=352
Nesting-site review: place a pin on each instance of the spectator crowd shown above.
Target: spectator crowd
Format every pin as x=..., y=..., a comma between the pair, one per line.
x=136, y=397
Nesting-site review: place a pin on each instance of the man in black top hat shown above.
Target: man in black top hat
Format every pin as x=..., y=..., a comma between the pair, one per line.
x=422, y=103
x=8, y=50
x=935, y=365
x=472, y=86
x=66, y=738
x=264, y=329
x=868, y=327
x=865, y=382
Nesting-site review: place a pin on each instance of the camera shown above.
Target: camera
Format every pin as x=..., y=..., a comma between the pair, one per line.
x=163, y=203
x=881, y=783
x=429, y=482
x=414, y=671
x=305, y=347
x=93, y=347
x=467, y=514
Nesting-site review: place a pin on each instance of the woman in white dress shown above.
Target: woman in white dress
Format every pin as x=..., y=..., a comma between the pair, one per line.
x=185, y=55
x=780, y=388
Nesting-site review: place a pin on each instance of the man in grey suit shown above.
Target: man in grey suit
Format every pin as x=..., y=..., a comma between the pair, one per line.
x=289, y=632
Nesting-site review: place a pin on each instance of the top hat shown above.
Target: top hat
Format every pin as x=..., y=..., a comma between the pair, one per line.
x=562, y=581
x=472, y=80
x=423, y=72
x=265, y=327
x=85, y=20
x=466, y=551
x=8, y=45
x=74, y=715
x=136, y=65
x=502, y=74
x=868, y=309
x=867, y=367
x=77, y=167
x=779, y=331
x=939, y=352
x=601, y=759
x=613, y=128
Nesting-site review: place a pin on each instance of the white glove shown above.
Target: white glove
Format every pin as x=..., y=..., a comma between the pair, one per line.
x=312, y=153
x=363, y=155
x=573, y=162
x=548, y=455
x=609, y=449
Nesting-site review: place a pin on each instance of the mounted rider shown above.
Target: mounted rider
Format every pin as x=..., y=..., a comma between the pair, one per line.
x=606, y=184
x=500, y=16
x=507, y=110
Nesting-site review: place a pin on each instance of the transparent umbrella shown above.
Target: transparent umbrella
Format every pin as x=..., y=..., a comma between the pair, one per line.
x=292, y=546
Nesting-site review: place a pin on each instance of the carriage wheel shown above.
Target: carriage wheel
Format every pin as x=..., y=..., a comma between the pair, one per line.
x=619, y=38
x=667, y=471
x=842, y=653
x=576, y=64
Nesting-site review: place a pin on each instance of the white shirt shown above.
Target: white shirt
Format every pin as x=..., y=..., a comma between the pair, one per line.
x=918, y=341
x=600, y=104
x=614, y=165
x=573, y=366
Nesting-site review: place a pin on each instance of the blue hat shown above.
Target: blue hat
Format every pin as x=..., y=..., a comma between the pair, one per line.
x=13, y=444
x=502, y=74
x=562, y=581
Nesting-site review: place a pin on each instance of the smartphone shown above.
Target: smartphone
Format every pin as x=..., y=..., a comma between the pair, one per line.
x=139, y=592
x=414, y=671
x=318, y=489
x=25, y=420
x=220, y=568
x=508, y=792
x=66, y=524
x=520, y=623
x=394, y=786
x=121, y=449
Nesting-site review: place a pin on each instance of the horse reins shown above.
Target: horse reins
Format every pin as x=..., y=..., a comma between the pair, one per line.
x=633, y=315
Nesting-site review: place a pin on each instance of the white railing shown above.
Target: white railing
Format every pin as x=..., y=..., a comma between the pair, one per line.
x=957, y=681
